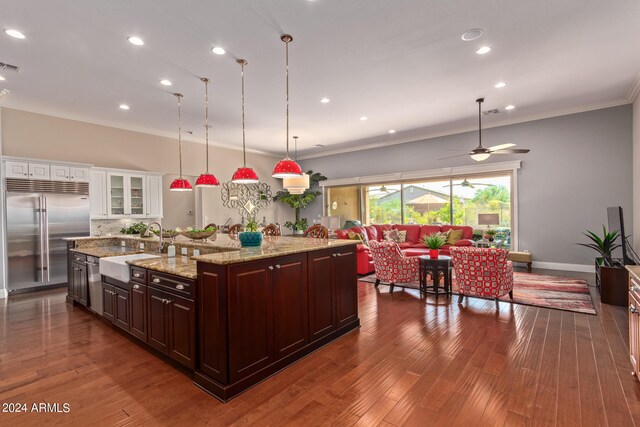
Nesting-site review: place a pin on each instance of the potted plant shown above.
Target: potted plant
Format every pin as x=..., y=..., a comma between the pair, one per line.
x=250, y=236
x=603, y=245
x=301, y=201
x=434, y=242
x=490, y=234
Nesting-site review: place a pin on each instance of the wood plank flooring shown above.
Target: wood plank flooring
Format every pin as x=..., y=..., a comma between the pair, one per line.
x=413, y=362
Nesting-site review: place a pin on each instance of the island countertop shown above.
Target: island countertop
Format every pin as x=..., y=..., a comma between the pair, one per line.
x=179, y=265
x=272, y=246
x=106, y=251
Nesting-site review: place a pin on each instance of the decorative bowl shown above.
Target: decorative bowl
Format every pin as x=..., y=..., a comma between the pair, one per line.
x=250, y=238
x=198, y=235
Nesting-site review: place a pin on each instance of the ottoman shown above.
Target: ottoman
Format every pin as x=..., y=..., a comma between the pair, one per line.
x=524, y=257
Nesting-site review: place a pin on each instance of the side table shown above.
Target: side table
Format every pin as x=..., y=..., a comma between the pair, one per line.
x=435, y=267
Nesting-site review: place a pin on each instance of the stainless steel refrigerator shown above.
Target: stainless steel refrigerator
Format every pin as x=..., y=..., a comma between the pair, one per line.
x=39, y=215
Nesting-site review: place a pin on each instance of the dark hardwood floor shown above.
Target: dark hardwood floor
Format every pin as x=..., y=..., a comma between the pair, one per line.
x=413, y=362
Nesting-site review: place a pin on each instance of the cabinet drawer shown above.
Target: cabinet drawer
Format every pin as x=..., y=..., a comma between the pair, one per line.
x=80, y=258
x=138, y=275
x=177, y=285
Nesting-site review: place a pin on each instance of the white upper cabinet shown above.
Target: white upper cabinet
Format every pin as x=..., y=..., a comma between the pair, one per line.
x=154, y=196
x=39, y=171
x=27, y=169
x=98, y=194
x=17, y=169
x=59, y=173
x=78, y=174
x=126, y=194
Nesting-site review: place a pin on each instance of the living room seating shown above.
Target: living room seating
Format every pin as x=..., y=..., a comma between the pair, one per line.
x=412, y=246
x=317, y=231
x=483, y=272
x=391, y=265
x=271, y=230
x=235, y=229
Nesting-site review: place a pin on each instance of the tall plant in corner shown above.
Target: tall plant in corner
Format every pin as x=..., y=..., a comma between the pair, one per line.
x=603, y=245
x=301, y=201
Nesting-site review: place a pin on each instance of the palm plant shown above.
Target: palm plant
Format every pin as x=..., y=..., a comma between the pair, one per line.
x=434, y=241
x=603, y=245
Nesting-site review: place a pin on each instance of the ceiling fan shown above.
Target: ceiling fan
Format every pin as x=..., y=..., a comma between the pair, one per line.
x=466, y=183
x=481, y=153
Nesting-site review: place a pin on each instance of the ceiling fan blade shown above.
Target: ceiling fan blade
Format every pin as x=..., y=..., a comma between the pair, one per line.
x=458, y=155
x=501, y=146
x=511, y=151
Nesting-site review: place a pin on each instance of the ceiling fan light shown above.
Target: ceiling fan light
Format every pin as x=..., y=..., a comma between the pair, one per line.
x=287, y=168
x=207, y=180
x=480, y=156
x=245, y=175
x=180, y=184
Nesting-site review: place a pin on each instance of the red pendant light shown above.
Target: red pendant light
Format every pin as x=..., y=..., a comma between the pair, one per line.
x=207, y=179
x=287, y=168
x=180, y=184
x=244, y=175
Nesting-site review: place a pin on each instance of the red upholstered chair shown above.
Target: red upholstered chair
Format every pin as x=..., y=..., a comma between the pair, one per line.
x=483, y=272
x=391, y=265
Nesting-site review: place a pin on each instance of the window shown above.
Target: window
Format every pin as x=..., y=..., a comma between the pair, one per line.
x=383, y=204
x=427, y=202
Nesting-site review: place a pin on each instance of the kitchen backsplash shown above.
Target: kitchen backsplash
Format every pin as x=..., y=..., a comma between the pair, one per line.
x=112, y=227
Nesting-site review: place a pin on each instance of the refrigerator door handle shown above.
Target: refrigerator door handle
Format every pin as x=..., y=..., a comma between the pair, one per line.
x=41, y=232
x=46, y=236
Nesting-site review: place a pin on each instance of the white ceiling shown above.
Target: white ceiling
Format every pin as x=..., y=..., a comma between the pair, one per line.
x=401, y=63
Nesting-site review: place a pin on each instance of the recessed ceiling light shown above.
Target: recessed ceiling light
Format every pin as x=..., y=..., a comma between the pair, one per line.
x=325, y=100
x=472, y=34
x=509, y=107
x=2, y=79
x=124, y=107
x=483, y=50
x=363, y=118
x=218, y=50
x=135, y=40
x=165, y=82
x=15, y=34
x=499, y=85
x=392, y=131
x=319, y=145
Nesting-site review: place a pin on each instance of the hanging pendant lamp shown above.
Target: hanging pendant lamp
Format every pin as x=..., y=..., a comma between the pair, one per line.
x=180, y=184
x=244, y=175
x=207, y=179
x=300, y=183
x=287, y=168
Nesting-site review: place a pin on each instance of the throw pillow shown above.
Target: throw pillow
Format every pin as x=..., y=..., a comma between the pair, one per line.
x=395, y=235
x=352, y=235
x=454, y=236
x=445, y=235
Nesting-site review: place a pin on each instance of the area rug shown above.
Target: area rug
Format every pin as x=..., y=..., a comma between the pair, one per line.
x=561, y=293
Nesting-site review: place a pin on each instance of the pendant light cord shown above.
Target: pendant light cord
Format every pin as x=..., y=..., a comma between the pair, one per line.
x=244, y=150
x=206, y=117
x=179, y=96
x=295, y=153
x=287, y=85
x=480, y=121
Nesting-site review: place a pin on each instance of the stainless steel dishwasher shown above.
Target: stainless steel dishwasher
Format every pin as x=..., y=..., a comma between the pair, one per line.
x=95, y=284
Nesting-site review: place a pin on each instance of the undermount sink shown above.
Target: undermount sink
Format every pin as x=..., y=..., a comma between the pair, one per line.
x=117, y=268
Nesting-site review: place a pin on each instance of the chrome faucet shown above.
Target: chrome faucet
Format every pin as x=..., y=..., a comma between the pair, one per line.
x=147, y=233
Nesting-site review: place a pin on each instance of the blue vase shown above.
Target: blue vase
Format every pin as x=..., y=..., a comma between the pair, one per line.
x=250, y=238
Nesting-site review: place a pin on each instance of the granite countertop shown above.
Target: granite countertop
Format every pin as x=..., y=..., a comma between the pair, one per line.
x=271, y=247
x=179, y=265
x=106, y=251
x=634, y=270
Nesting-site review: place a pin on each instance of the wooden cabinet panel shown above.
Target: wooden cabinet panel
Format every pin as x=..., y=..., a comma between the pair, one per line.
x=322, y=317
x=17, y=169
x=291, y=309
x=121, y=309
x=78, y=174
x=212, y=325
x=154, y=196
x=108, y=302
x=78, y=285
x=158, y=320
x=138, y=303
x=634, y=324
x=98, y=194
x=250, y=318
x=182, y=330
x=59, y=173
x=39, y=171
x=345, y=279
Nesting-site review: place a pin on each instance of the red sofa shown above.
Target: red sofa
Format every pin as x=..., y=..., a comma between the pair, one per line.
x=413, y=245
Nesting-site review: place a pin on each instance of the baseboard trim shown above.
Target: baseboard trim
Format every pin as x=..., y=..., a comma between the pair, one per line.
x=584, y=268
x=3, y=293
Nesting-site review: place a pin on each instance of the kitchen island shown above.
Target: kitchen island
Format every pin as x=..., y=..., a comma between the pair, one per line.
x=232, y=315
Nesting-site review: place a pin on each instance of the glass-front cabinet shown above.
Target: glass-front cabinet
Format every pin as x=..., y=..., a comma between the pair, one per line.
x=126, y=195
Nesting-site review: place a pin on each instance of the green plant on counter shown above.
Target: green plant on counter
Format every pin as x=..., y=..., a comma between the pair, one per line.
x=603, y=245
x=135, y=228
x=252, y=225
x=301, y=201
x=434, y=240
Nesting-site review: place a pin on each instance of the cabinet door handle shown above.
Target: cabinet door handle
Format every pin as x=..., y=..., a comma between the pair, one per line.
x=136, y=274
x=271, y=267
x=168, y=301
x=277, y=265
x=136, y=286
x=179, y=287
x=632, y=309
x=156, y=280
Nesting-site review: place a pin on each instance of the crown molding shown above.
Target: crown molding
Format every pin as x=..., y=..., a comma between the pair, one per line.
x=431, y=135
x=634, y=90
x=121, y=126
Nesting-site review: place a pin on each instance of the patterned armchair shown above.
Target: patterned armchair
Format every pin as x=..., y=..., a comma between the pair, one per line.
x=391, y=265
x=483, y=272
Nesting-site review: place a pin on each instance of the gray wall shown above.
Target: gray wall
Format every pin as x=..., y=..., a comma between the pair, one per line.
x=579, y=165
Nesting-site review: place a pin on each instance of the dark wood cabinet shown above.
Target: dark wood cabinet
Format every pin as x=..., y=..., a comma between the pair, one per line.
x=171, y=325
x=121, y=309
x=78, y=285
x=138, y=315
x=322, y=316
x=108, y=301
x=345, y=281
x=290, y=305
